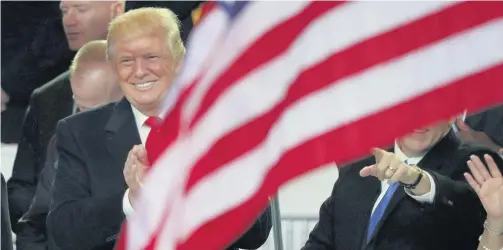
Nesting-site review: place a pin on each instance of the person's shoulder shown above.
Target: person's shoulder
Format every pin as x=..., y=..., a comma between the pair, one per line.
x=91, y=118
x=53, y=84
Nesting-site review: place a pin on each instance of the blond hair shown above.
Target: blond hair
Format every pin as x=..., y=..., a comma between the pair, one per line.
x=147, y=21
x=91, y=52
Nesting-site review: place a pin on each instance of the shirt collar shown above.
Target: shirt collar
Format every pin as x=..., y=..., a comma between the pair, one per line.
x=139, y=117
x=403, y=157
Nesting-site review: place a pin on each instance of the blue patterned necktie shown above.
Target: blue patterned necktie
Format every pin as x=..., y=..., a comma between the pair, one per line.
x=379, y=211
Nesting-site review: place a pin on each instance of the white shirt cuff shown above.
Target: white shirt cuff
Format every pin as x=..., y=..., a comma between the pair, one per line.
x=126, y=205
x=428, y=197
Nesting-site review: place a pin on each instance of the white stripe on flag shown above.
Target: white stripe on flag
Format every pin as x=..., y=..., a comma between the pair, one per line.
x=202, y=204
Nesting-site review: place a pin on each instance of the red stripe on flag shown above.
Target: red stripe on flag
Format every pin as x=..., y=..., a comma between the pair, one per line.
x=281, y=37
x=328, y=148
x=121, y=242
x=359, y=57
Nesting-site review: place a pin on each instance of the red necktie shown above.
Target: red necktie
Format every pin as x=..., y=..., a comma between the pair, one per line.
x=153, y=122
x=150, y=144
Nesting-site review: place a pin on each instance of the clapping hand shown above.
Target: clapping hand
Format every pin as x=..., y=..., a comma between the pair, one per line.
x=488, y=185
x=134, y=169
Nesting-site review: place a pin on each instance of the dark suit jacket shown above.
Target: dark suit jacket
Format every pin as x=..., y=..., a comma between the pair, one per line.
x=48, y=105
x=86, y=210
x=33, y=233
x=490, y=122
x=454, y=221
x=5, y=221
x=32, y=55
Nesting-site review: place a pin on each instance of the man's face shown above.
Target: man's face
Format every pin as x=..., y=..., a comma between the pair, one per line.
x=421, y=140
x=90, y=85
x=145, y=70
x=85, y=21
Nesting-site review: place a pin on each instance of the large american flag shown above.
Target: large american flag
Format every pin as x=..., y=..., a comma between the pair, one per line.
x=272, y=90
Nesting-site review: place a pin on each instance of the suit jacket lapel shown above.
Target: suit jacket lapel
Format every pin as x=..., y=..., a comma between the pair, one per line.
x=431, y=161
x=122, y=133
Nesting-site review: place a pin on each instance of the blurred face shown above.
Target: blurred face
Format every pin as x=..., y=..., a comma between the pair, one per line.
x=85, y=21
x=421, y=140
x=145, y=70
x=90, y=85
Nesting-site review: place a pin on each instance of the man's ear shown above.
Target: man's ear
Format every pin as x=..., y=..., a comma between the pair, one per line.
x=117, y=8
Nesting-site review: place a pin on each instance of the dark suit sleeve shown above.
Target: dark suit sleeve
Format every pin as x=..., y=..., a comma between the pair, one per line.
x=30, y=238
x=33, y=233
x=322, y=235
x=23, y=182
x=257, y=235
x=77, y=218
x=455, y=200
x=490, y=122
x=6, y=236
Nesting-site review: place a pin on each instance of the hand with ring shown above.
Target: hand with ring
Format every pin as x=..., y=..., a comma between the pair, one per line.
x=389, y=167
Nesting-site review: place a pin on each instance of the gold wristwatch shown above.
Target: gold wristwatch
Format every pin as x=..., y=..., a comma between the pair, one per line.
x=420, y=174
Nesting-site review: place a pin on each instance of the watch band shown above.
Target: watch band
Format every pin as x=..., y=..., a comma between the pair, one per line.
x=416, y=182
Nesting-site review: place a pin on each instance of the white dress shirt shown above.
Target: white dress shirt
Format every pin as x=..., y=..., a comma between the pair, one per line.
x=426, y=198
x=143, y=130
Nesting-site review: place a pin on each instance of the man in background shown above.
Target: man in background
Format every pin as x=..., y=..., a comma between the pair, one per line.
x=83, y=21
x=93, y=84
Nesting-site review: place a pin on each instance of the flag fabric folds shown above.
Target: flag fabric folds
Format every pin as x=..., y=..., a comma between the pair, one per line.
x=272, y=90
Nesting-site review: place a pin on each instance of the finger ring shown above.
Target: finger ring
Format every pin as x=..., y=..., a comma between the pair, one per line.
x=133, y=166
x=392, y=169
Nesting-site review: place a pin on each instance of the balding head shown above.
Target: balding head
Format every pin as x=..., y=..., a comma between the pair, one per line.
x=93, y=81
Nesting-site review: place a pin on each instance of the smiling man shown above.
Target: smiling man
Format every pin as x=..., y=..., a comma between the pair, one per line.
x=413, y=196
x=101, y=153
